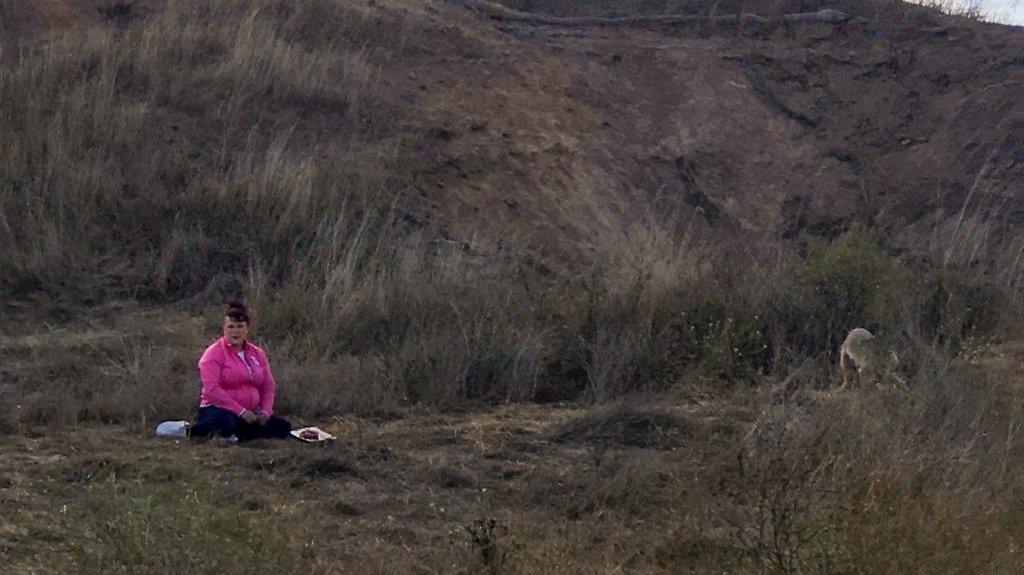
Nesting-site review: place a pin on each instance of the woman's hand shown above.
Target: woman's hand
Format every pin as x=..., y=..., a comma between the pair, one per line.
x=248, y=416
x=263, y=418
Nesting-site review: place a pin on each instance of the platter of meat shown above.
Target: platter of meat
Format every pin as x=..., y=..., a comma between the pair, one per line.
x=312, y=434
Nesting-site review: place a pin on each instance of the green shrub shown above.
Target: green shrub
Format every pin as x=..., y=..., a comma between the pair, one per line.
x=857, y=284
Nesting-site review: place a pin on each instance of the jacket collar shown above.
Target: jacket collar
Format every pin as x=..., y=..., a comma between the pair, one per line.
x=227, y=346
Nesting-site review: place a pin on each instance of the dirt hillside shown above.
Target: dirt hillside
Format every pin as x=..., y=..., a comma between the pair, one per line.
x=783, y=130
x=509, y=255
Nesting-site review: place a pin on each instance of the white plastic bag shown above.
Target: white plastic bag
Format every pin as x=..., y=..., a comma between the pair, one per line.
x=173, y=429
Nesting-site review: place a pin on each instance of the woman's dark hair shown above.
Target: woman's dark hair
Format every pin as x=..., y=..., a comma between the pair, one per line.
x=237, y=311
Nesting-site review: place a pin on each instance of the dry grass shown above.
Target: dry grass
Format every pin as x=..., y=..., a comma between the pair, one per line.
x=177, y=155
x=176, y=158
x=866, y=481
x=81, y=175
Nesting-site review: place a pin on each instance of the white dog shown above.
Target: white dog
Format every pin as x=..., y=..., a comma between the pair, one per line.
x=861, y=351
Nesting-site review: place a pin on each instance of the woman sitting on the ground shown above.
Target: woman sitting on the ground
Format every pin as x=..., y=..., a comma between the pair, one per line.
x=237, y=400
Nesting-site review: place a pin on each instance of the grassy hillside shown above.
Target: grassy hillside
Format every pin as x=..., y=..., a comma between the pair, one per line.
x=571, y=298
x=159, y=141
x=313, y=158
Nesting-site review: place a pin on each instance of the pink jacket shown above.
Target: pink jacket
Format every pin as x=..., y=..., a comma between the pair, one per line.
x=227, y=382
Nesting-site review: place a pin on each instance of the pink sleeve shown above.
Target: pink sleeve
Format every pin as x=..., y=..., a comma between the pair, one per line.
x=267, y=388
x=210, y=366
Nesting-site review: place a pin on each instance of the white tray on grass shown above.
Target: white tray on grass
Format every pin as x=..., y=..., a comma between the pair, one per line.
x=312, y=435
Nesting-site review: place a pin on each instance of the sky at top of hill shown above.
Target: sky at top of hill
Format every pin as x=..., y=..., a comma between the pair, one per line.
x=997, y=11
x=1004, y=11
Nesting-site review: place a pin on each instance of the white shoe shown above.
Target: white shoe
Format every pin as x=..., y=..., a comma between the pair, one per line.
x=231, y=440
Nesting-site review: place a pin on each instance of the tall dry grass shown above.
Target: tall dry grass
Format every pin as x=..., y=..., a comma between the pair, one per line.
x=164, y=140
x=878, y=481
x=179, y=156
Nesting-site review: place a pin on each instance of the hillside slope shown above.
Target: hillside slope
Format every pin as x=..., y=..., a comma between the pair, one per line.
x=568, y=292
x=782, y=132
x=563, y=135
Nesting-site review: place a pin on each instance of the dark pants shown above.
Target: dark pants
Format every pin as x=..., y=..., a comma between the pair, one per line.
x=219, y=421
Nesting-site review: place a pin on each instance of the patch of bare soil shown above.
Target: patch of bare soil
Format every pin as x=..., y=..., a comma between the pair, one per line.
x=757, y=133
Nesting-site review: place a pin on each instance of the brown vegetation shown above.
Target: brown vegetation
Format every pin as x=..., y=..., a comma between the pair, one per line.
x=569, y=302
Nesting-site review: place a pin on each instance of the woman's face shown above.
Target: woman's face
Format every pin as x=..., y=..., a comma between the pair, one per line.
x=235, y=331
